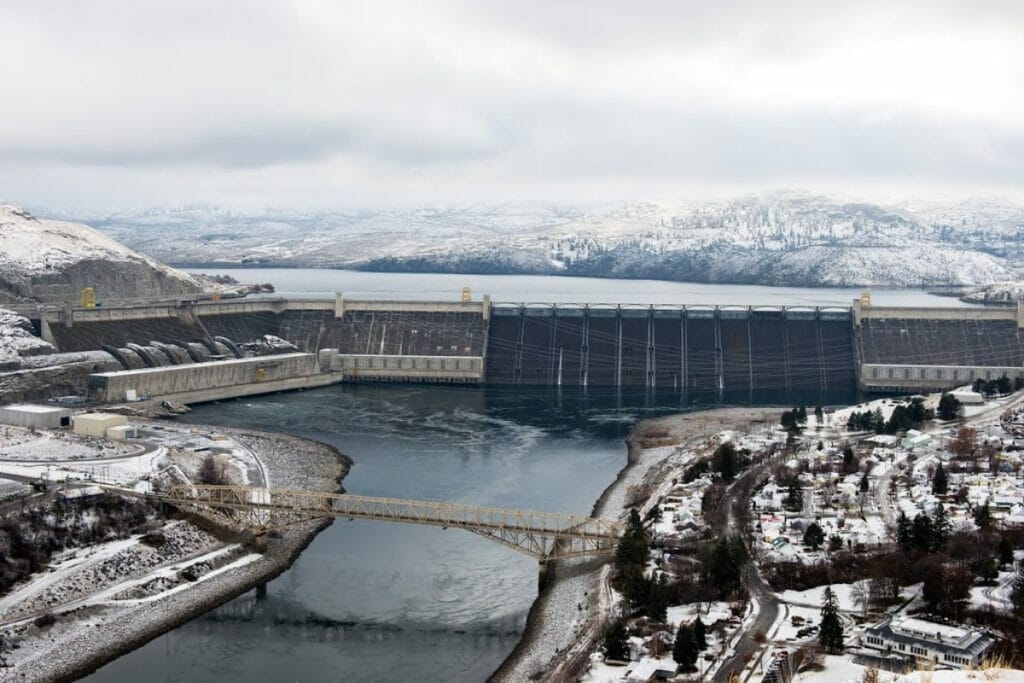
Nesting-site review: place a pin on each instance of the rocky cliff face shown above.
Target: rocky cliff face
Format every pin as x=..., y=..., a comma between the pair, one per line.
x=52, y=261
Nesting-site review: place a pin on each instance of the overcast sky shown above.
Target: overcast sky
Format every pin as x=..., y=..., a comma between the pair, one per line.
x=377, y=104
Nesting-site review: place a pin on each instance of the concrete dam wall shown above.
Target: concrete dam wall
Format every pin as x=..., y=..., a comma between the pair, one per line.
x=663, y=348
x=684, y=349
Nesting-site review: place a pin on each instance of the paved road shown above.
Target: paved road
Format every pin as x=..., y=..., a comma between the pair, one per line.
x=739, y=491
x=746, y=646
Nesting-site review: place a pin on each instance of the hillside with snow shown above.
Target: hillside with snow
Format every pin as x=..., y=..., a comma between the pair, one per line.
x=779, y=239
x=52, y=261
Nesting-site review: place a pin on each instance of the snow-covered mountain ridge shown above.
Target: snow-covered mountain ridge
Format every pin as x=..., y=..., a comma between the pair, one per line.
x=48, y=260
x=781, y=239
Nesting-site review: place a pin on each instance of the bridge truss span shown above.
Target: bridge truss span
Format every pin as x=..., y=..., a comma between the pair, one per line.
x=543, y=535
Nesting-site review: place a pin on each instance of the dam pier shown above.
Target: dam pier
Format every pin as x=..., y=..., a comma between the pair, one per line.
x=194, y=351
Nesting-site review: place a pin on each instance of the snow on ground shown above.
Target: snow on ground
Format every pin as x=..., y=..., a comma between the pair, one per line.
x=24, y=445
x=17, y=337
x=813, y=597
x=57, y=455
x=838, y=669
x=709, y=612
x=83, y=639
x=38, y=247
x=74, y=582
x=982, y=676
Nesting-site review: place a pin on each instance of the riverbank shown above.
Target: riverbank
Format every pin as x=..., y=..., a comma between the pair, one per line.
x=88, y=636
x=567, y=620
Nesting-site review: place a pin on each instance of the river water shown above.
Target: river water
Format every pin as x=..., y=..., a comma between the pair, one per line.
x=370, y=601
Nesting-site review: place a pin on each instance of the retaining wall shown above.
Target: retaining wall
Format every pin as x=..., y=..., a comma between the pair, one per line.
x=114, y=387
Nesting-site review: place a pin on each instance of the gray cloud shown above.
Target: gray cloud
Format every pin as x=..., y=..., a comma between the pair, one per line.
x=321, y=102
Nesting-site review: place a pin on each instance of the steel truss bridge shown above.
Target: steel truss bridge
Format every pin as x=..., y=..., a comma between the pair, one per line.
x=543, y=535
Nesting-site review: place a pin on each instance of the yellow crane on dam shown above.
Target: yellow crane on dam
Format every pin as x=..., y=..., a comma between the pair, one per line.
x=543, y=535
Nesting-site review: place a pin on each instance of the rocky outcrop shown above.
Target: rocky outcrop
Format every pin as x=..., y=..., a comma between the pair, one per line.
x=52, y=261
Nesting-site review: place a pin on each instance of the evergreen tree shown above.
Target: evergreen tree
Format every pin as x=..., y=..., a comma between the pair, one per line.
x=633, y=547
x=1017, y=597
x=878, y=421
x=802, y=415
x=940, y=528
x=636, y=589
x=700, y=637
x=830, y=635
x=1005, y=551
x=949, y=407
x=864, y=483
x=814, y=536
x=983, y=516
x=1004, y=385
x=657, y=605
x=904, y=533
x=723, y=564
x=818, y=415
x=940, y=481
x=985, y=568
x=616, y=642
x=794, y=498
x=850, y=462
x=835, y=543
x=684, y=651
x=725, y=461
x=922, y=533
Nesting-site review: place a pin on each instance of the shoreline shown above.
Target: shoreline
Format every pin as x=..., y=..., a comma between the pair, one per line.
x=549, y=651
x=125, y=629
x=536, y=617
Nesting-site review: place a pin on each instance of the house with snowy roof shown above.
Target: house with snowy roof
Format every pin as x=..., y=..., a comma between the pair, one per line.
x=925, y=640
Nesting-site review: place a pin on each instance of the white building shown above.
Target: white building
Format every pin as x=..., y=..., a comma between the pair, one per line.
x=97, y=424
x=41, y=417
x=915, y=439
x=929, y=641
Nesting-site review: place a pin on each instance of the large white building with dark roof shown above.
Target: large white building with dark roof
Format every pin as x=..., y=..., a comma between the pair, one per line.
x=936, y=642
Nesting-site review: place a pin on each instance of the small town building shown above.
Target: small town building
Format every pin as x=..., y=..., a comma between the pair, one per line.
x=969, y=398
x=648, y=670
x=40, y=417
x=915, y=439
x=938, y=643
x=123, y=433
x=97, y=424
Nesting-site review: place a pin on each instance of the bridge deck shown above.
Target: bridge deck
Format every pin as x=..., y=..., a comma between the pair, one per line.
x=544, y=535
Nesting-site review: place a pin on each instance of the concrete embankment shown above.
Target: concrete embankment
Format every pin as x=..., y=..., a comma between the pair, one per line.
x=566, y=622
x=91, y=637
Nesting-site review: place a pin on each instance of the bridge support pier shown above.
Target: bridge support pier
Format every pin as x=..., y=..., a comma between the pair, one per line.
x=261, y=591
x=544, y=574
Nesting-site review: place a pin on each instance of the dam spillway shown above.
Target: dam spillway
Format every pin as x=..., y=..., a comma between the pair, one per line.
x=671, y=347
x=698, y=349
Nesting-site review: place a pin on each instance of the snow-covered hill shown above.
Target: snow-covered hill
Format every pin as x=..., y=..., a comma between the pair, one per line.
x=46, y=260
x=998, y=293
x=787, y=238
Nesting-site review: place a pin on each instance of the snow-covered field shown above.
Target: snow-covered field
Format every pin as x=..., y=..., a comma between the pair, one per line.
x=114, y=596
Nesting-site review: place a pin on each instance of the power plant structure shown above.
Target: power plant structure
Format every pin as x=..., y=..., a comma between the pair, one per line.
x=664, y=348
